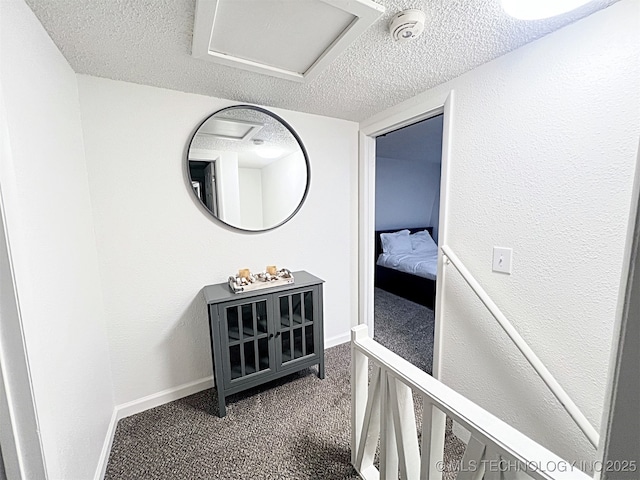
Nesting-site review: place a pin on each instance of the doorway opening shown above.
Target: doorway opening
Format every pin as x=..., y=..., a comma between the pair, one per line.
x=408, y=164
x=203, y=181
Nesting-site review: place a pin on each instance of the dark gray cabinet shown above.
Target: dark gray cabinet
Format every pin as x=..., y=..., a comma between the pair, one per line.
x=265, y=334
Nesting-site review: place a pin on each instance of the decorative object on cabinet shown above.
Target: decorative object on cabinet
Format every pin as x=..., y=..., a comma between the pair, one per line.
x=246, y=283
x=262, y=335
x=248, y=168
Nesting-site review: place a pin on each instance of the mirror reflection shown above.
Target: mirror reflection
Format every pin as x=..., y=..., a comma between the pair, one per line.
x=248, y=168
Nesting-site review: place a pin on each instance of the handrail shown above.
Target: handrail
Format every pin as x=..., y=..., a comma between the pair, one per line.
x=562, y=396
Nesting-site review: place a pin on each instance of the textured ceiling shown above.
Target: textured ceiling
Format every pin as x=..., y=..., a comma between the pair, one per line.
x=149, y=42
x=273, y=133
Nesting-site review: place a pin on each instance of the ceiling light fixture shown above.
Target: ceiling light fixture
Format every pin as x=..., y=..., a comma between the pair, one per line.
x=407, y=25
x=539, y=9
x=269, y=151
x=266, y=151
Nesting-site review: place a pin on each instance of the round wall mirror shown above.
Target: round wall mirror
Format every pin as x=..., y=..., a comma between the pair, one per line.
x=248, y=168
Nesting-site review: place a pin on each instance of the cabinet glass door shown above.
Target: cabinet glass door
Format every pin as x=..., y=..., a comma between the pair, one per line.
x=297, y=325
x=244, y=326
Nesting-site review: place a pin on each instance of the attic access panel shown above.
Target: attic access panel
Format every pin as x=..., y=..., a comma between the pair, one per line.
x=230, y=129
x=290, y=39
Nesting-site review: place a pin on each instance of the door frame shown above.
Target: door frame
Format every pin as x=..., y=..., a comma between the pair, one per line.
x=411, y=111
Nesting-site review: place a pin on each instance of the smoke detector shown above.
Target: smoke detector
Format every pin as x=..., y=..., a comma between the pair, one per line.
x=407, y=25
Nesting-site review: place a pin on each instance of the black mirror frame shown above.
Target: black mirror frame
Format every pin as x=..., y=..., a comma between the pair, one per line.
x=288, y=127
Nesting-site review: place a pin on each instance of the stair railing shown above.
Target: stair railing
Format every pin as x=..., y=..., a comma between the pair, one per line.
x=382, y=415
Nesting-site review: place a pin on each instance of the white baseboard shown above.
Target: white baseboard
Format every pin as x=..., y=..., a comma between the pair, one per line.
x=106, y=447
x=337, y=340
x=140, y=405
x=165, y=396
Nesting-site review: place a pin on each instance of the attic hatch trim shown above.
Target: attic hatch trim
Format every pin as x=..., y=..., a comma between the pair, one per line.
x=230, y=129
x=365, y=13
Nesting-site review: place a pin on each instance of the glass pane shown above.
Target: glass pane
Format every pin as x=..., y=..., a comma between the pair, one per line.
x=308, y=339
x=284, y=311
x=232, y=323
x=296, y=300
x=308, y=307
x=261, y=312
x=297, y=342
x=286, y=347
x=249, y=357
x=234, y=360
x=263, y=354
x=247, y=320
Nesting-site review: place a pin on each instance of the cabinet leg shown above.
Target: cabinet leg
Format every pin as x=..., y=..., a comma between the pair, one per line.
x=321, y=369
x=222, y=408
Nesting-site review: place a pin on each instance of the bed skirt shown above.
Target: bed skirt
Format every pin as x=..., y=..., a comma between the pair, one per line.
x=417, y=289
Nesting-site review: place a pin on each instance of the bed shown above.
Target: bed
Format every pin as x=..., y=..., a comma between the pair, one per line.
x=407, y=272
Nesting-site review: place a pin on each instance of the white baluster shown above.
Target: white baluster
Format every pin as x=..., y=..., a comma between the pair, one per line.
x=370, y=425
x=388, y=448
x=404, y=421
x=492, y=469
x=471, y=467
x=433, y=426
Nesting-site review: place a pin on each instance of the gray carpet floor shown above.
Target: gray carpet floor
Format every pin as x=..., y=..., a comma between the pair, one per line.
x=294, y=428
x=405, y=328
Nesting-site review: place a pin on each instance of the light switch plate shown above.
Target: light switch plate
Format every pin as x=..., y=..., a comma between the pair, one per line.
x=502, y=260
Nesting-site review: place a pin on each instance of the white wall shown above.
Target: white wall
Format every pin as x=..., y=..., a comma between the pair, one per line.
x=408, y=176
x=405, y=192
x=549, y=175
x=158, y=248
x=48, y=218
x=250, y=181
x=283, y=184
x=228, y=187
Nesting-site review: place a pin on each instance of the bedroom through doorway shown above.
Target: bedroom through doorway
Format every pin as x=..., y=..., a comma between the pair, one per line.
x=407, y=218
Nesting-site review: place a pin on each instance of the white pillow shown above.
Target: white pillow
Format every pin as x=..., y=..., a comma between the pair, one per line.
x=396, y=242
x=421, y=242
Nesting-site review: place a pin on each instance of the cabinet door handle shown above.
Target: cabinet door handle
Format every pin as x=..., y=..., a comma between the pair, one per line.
x=270, y=336
x=277, y=334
